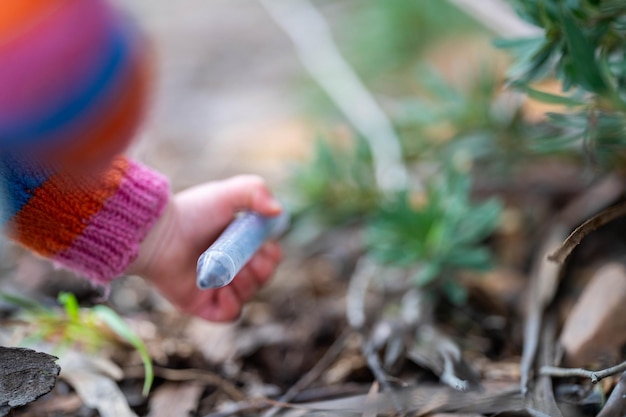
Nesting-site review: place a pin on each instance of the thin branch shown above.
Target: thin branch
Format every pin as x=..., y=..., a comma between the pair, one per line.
x=615, y=404
x=545, y=274
x=357, y=290
x=199, y=375
x=313, y=42
x=373, y=363
x=313, y=374
x=355, y=312
x=543, y=283
x=541, y=396
x=448, y=375
x=605, y=217
x=499, y=17
x=595, y=376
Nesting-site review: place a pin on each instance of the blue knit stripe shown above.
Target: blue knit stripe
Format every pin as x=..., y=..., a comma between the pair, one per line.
x=115, y=65
x=18, y=182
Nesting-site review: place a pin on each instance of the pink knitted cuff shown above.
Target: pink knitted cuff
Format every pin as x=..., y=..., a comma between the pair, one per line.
x=110, y=241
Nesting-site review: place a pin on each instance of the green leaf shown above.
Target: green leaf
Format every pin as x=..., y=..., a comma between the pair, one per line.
x=70, y=304
x=478, y=222
x=536, y=66
x=548, y=97
x=25, y=303
x=477, y=258
x=581, y=57
x=455, y=292
x=427, y=274
x=578, y=120
x=117, y=324
x=524, y=45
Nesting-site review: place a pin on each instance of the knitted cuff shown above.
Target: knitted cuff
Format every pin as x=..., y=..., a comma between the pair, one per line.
x=93, y=228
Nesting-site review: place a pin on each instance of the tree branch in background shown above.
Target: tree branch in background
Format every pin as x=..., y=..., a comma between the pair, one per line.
x=313, y=42
x=499, y=17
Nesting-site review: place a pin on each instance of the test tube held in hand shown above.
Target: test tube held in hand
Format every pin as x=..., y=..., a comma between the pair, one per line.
x=219, y=264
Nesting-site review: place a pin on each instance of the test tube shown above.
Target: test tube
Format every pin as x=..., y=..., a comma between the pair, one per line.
x=219, y=264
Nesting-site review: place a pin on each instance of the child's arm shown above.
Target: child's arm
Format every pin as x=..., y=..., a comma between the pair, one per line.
x=123, y=220
x=91, y=223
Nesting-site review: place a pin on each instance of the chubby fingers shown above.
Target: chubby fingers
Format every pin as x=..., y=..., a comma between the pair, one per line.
x=225, y=304
x=220, y=305
x=257, y=271
x=265, y=261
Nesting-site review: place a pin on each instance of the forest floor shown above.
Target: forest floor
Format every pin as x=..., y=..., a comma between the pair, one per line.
x=314, y=342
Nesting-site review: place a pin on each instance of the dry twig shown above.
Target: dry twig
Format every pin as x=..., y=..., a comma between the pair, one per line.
x=544, y=280
x=313, y=374
x=595, y=376
x=355, y=312
x=541, y=400
x=616, y=403
x=545, y=274
x=421, y=400
x=605, y=217
x=198, y=375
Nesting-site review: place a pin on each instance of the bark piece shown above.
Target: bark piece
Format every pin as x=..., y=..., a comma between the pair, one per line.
x=595, y=328
x=25, y=375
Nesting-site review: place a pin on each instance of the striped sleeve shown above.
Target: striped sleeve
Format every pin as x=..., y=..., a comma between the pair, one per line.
x=92, y=226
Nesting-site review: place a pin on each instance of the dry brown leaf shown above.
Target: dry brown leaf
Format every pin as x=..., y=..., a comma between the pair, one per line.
x=175, y=399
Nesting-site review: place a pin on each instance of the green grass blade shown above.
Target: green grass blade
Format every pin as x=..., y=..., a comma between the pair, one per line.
x=119, y=326
x=70, y=304
x=548, y=97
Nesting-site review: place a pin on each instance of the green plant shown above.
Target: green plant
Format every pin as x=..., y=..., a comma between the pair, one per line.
x=454, y=134
x=396, y=32
x=584, y=48
x=441, y=234
x=446, y=133
x=88, y=329
x=337, y=185
x=472, y=118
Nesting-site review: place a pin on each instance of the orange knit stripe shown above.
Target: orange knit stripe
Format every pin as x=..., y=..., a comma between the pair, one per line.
x=16, y=16
x=60, y=209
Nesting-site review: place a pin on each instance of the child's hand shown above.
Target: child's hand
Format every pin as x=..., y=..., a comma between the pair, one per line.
x=191, y=222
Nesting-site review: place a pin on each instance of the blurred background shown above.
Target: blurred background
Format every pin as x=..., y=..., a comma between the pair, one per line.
x=232, y=96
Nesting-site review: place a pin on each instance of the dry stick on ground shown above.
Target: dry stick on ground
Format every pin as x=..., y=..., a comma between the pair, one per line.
x=605, y=217
x=424, y=399
x=595, y=376
x=544, y=280
x=541, y=398
x=314, y=373
x=544, y=277
x=198, y=375
x=313, y=42
x=355, y=311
